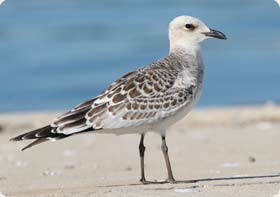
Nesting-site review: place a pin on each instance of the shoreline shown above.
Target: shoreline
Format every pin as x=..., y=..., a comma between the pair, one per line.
x=197, y=118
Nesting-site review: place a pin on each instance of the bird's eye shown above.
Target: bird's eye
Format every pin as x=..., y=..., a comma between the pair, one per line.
x=190, y=26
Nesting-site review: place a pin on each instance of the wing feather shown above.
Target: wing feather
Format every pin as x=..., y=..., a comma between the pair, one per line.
x=141, y=97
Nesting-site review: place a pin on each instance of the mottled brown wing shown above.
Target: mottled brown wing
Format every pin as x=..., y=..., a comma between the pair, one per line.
x=138, y=98
x=145, y=98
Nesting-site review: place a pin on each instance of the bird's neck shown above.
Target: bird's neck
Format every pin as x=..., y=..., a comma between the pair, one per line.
x=187, y=52
x=189, y=63
x=188, y=48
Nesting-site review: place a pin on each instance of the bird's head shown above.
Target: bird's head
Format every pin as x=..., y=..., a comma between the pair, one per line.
x=187, y=30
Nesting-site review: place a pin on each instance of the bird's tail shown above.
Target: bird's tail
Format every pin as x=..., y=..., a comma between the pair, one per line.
x=72, y=120
x=39, y=135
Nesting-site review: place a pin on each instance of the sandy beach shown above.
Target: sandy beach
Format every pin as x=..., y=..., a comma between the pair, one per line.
x=214, y=152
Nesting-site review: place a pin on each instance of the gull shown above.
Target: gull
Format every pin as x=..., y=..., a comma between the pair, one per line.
x=151, y=98
x=278, y=2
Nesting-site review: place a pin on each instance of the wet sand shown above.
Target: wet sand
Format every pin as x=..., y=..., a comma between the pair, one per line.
x=214, y=152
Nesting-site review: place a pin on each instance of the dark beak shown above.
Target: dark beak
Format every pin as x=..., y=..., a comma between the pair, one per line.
x=215, y=34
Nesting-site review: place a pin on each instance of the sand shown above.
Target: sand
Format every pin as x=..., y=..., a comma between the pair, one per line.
x=232, y=152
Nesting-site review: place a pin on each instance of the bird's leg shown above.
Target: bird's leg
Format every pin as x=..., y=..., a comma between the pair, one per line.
x=164, y=149
x=142, y=151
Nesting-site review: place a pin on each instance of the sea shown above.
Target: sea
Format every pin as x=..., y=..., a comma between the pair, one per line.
x=55, y=54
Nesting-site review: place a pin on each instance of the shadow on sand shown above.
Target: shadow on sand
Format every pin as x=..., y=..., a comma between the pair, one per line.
x=92, y=187
x=205, y=180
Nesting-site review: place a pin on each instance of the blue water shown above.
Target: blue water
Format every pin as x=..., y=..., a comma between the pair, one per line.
x=56, y=53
